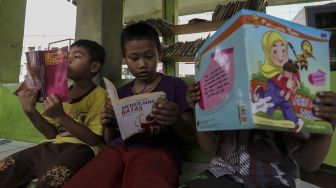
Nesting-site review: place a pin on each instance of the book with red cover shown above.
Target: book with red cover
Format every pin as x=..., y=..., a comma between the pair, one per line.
x=47, y=71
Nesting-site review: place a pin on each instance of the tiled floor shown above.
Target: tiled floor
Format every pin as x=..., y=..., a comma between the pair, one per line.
x=8, y=147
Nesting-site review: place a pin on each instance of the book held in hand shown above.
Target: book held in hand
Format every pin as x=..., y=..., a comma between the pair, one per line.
x=262, y=72
x=47, y=71
x=133, y=113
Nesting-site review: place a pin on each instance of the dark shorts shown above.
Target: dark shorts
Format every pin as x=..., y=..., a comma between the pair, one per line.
x=52, y=164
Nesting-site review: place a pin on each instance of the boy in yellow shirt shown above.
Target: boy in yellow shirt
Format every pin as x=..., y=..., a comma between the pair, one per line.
x=72, y=129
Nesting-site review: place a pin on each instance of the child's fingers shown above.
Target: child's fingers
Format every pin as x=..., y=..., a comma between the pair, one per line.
x=326, y=115
x=164, y=120
x=326, y=94
x=325, y=109
x=326, y=100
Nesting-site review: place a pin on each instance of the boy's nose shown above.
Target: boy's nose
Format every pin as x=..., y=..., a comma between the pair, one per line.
x=142, y=62
x=69, y=60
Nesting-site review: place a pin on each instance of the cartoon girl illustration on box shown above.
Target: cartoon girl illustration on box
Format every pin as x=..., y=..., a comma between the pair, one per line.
x=276, y=56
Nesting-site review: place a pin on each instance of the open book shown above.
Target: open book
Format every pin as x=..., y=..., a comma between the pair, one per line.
x=262, y=72
x=47, y=71
x=133, y=113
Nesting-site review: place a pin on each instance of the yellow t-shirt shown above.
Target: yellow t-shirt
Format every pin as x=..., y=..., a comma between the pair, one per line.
x=86, y=111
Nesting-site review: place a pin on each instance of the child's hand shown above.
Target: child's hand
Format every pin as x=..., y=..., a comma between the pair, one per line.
x=193, y=93
x=166, y=113
x=325, y=106
x=107, y=116
x=53, y=108
x=27, y=99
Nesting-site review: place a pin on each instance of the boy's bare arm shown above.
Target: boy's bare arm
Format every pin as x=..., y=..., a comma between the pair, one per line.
x=109, y=122
x=310, y=156
x=185, y=127
x=207, y=141
x=168, y=114
x=312, y=153
x=53, y=108
x=28, y=101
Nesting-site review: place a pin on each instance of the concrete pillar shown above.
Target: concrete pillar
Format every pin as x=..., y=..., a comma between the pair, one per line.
x=89, y=20
x=111, y=29
x=12, y=18
x=101, y=21
x=170, y=13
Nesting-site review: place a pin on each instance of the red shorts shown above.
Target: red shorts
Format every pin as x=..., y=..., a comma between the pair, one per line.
x=121, y=167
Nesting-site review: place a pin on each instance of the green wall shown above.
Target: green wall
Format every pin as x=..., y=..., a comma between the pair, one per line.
x=12, y=18
x=15, y=125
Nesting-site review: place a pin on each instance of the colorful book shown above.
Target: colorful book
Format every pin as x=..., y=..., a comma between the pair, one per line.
x=47, y=71
x=133, y=113
x=262, y=72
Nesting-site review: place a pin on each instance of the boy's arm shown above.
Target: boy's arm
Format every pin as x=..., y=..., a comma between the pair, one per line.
x=185, y=126
x=207, y=141
x=312, y=153
x=53, y=108
x=28, y=101
x=314, y=150
x=109, y=122
x=168, y=114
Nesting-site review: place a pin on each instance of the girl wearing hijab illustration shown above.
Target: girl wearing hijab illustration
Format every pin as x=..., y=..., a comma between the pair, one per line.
x=276, y=55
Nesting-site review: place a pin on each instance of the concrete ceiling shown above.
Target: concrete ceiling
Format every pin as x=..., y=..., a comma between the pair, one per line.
x=144, y=9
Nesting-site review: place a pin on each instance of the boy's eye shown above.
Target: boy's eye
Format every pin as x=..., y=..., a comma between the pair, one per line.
x=134, y=58
x=77, y=57
x=149, y=57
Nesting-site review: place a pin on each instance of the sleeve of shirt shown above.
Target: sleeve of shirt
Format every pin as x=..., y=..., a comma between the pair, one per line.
x=92, y=120
x=180, y=95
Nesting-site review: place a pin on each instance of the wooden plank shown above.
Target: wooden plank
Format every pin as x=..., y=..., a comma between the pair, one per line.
x=196, y=27
x=288, y=2
x=178, y=59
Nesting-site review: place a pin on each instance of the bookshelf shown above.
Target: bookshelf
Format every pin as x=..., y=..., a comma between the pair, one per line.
x=178, y=59
x=222, y=13
x=196, y=27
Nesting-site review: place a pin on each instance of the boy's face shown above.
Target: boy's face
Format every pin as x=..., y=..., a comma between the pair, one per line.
x=141, y=57
x=79, y=63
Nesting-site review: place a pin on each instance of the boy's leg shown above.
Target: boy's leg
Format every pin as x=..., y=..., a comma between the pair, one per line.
x=105, y=170
x=146, y=168
x=206, y=179
x=68, y=159
x=22, y=167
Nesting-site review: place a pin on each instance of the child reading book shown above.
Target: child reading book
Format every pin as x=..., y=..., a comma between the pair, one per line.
x=261, y=158
x=143, y=160
x=72, y=129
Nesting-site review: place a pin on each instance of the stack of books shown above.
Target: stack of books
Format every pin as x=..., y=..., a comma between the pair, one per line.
x=225, y=11
x=162, y=26
x=183, y=48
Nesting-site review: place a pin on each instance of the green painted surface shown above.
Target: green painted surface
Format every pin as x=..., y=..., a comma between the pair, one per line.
x=12, y=16
x=13, y=122
x=170, y=13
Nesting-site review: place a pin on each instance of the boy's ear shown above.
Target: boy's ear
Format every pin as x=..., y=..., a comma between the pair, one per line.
x=123, y=58
x=95, y=66
x=160, y=54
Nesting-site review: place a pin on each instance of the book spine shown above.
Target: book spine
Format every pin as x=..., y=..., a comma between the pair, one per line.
x=41, y=63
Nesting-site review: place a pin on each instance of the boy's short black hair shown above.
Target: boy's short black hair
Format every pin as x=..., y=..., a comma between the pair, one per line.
x=139, y=31
x=96, y=51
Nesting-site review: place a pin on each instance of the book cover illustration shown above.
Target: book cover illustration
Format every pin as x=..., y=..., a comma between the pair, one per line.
x=133, y=113
x=262, y=72
x=47, y=71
